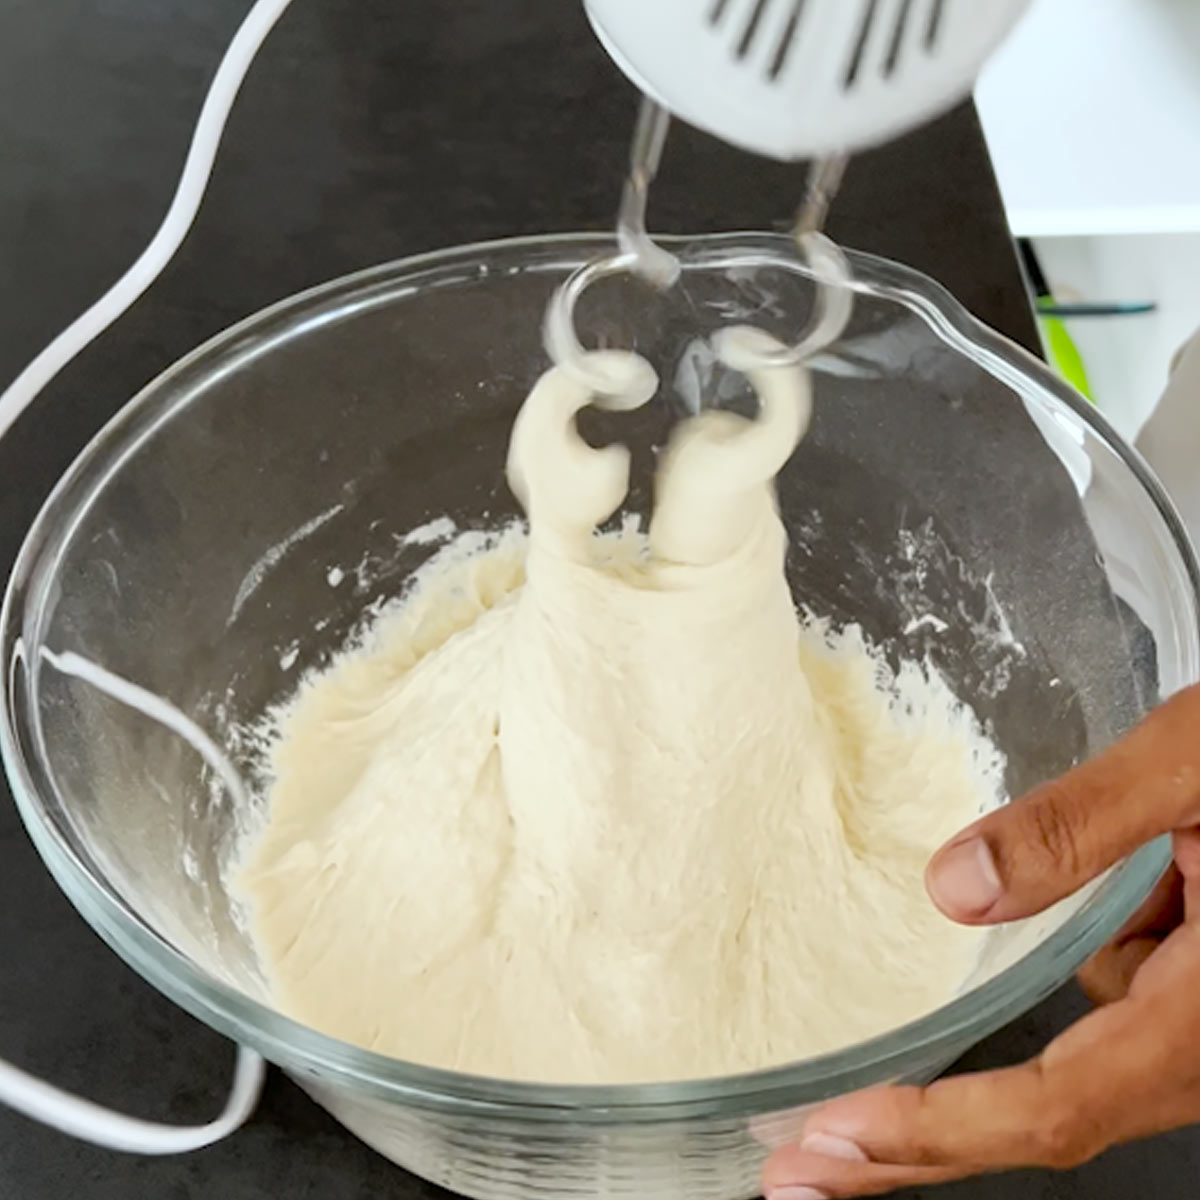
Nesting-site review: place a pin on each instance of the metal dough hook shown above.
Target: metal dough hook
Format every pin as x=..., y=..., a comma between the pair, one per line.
x=650, y=261
x=830, y=272
x=639, y=255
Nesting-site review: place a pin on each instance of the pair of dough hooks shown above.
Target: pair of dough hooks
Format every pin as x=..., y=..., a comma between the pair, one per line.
x=637, y=254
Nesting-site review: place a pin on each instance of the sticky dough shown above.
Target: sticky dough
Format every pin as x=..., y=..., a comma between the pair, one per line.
x=601, y=807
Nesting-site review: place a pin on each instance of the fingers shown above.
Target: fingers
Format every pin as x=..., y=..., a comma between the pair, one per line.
x=969, y=1123
x=831, y=1177
x=1161, y=912
x=1110, y=974
x=1107, y=976
x=907, y=1137
x=1185, y=845
x=1123, y=1072
x=1025, y=856
x=1126, y=1071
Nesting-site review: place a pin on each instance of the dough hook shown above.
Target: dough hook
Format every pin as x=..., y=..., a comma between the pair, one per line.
x=638, y=255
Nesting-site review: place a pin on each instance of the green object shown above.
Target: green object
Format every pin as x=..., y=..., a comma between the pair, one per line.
x=1064, y=354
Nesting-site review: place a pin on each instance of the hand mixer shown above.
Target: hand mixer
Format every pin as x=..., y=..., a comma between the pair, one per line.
x=790, y=79
x=803, y=79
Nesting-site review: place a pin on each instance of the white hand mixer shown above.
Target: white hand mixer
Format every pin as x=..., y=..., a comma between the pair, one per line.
x=795, y=79
x=790, y=79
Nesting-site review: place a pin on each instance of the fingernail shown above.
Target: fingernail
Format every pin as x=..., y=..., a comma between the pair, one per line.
x=963, y=879
x=797, y=1193
x=830, y=1145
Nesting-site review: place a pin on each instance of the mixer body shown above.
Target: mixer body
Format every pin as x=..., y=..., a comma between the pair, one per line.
x=797, y=79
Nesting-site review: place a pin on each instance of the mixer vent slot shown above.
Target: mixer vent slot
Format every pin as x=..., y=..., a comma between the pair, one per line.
x=746, y=22
x=895, y=39
x=787, y=40
x=747, y=33
x=934, y=27
x=854, y=66
x=752, y=27
x=897, y=42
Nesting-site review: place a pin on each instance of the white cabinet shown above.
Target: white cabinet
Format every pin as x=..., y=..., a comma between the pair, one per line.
x=1092, y=116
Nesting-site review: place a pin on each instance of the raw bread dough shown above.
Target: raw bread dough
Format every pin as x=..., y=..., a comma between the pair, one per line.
x=602, y=808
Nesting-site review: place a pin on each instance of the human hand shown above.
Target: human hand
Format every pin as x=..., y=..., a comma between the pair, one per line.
x=1127, y=1070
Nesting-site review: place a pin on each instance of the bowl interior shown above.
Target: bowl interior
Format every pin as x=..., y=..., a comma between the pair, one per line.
x=229, y=530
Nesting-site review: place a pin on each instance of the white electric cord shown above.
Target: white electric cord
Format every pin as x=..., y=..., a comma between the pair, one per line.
x=90, y=1123
x=34, y=1097
x=178, y=221
x=157, y=709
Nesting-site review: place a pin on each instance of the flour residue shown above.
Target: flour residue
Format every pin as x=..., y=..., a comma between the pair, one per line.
x=253, y=578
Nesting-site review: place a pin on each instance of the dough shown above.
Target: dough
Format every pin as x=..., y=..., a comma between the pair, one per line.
x=602, y=808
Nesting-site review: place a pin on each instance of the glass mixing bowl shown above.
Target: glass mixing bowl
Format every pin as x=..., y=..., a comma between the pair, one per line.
x=229, y=527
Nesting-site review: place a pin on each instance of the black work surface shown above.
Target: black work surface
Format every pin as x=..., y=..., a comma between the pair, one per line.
x=366, y=132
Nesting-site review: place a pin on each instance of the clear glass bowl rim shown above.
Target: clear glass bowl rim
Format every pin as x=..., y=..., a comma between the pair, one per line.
x=928, y=1041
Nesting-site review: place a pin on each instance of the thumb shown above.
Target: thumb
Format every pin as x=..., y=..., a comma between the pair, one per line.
x=1123, y=1072
x=1025, y=856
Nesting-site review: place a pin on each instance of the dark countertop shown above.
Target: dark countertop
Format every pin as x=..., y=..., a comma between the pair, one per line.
x=364, y=133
